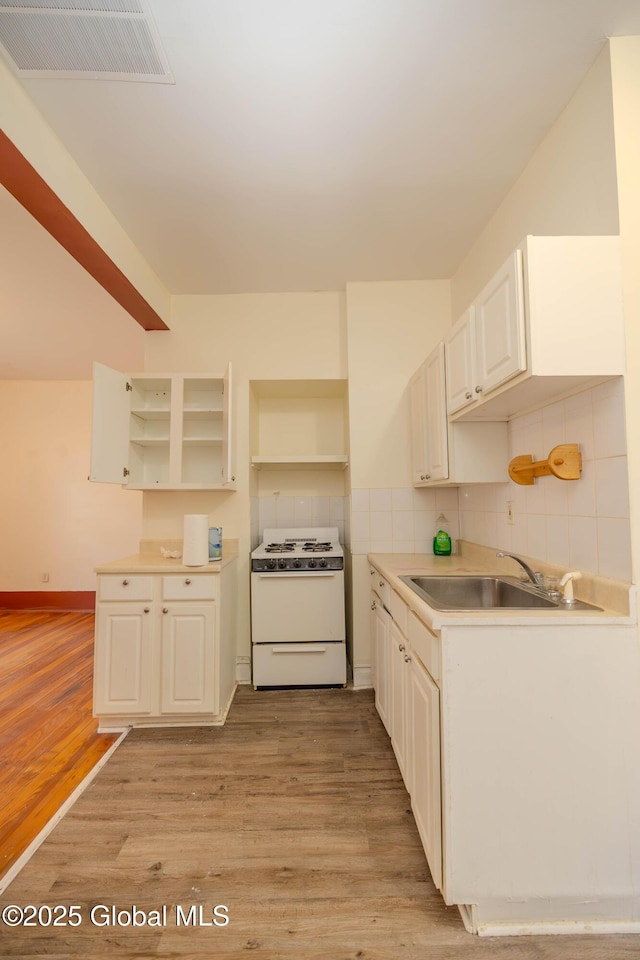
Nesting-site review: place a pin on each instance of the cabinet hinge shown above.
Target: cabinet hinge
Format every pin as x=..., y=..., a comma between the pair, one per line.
x=125, y=472
x=128, y=386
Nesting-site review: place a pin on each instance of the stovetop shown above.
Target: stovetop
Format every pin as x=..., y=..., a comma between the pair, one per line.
x=309, y=548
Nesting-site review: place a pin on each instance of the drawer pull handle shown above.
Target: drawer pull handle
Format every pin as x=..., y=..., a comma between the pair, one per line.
x=401, y=647
x=382, y=583
x=478, y=389
x=188, y=581
x=125, y=583
x=372, y=572
x=165, y=609
x=468, y=395
x=373, y=604
x=146, y=609
x=407, y=658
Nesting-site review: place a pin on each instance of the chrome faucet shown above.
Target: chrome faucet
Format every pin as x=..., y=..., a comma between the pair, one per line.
x=536, y=578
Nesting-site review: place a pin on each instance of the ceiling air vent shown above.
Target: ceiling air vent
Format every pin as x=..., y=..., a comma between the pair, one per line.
x=97, y=39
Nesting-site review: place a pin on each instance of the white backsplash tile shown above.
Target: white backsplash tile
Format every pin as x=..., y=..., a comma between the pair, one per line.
x=402, y=499
x=612, y=487
x=403, y=525
x=381, y=524
x=558, y=540
x=337, y=509
x=360, y=527
x=614, y=548
x=359, y=500
x=609, y=437
x=581, y=494
x=555, y=520
x=583, y=543
x=537, y=535
x=380, y=499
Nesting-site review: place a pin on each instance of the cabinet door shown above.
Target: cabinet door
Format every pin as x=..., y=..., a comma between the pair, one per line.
x=460, y=363
x=399, y=698
x=437, y=466
x=425, y=766
x=500, y=327
x=227, y=470
x=109, y=425
x=372, y=640
x=418, y=428
x=188, y=659
x=123, y=681
x=383, y=619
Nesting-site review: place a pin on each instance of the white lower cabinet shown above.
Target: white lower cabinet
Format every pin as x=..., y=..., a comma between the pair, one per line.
x=123, y=659
x=424, y=738
x=514, y=741
x=188, y=651
x=169, y=658
x=399, y=675
x=382, y=621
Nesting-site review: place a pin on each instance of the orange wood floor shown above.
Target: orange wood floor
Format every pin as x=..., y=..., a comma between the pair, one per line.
x=48, y=737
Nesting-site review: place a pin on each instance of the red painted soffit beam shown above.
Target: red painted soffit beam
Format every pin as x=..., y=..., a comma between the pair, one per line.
x=28, y=187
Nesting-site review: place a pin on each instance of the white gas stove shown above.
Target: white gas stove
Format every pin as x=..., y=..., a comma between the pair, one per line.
x=297, y=608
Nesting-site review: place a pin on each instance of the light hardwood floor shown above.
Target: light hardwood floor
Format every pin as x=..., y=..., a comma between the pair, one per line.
x=293, y=815
x=48, y=736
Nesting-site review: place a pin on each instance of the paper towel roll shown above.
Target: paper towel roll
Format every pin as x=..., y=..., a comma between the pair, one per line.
x=195, y=544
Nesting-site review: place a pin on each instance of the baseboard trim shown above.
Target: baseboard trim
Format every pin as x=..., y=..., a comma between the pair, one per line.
x=362, y=678
x=243, y=670
x=82, y=600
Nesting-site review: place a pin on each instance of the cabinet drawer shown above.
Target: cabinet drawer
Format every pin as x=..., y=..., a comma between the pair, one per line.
x=381, y=587
x=398, y=610
x=190, y=587
x=125, y=587
x=425, y=644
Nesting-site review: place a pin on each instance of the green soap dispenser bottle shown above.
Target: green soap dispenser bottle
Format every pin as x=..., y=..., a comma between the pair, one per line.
x=442, y=540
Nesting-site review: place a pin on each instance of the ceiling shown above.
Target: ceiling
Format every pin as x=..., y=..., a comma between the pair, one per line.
x=310, y=142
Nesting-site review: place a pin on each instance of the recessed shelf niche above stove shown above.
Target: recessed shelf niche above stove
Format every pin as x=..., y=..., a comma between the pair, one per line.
x=299, y=425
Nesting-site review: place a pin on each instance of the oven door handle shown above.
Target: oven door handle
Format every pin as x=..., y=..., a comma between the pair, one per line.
x=297, y=575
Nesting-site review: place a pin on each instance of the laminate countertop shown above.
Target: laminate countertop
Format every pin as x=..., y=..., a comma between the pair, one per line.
x=616, y=599
x=150, y=560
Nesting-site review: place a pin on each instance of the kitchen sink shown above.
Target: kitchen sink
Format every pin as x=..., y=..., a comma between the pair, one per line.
x=483, y=593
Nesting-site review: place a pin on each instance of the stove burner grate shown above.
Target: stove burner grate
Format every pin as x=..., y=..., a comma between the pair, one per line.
x=313, y=547
x=279, y=548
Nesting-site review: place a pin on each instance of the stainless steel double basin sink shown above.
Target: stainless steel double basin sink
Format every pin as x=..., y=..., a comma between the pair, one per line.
x=459, y=593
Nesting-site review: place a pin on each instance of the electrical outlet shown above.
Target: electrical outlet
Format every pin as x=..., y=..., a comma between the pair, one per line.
x=510, y=516
x=45, y=578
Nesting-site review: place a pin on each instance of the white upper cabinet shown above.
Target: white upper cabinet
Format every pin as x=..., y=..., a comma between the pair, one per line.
x=437, y=459
x=499, y=321
x=460, y=355
x=161, y=432
x=430, y=459
x=548, y=322
x=450, y=453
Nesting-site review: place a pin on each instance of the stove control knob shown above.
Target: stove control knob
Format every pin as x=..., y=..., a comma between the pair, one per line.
x=297, y=563
x=311, y=564
x=282, y=564
x=271, y=564
x=323, y=562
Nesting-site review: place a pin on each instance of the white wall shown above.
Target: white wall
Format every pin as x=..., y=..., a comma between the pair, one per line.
x=52, y=518
x=270, y=336
x=567, y=188
x=28, y=131
x=625, y=62
x=581, y=524
x=391, y=328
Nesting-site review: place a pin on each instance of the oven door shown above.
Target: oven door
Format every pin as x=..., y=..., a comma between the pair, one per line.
x=294, y=607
